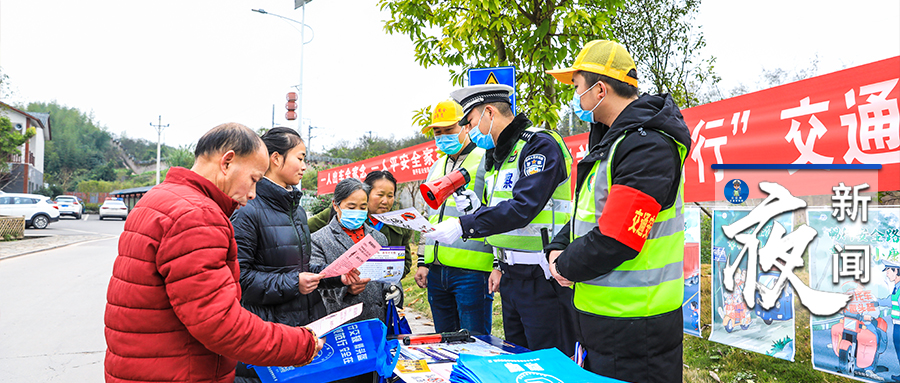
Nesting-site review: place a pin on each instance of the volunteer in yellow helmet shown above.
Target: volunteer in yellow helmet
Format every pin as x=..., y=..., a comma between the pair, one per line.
x=456, y=273
x=624, y=246
x=527, y=200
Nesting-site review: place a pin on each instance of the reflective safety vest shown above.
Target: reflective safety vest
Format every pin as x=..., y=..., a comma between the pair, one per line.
x=471, y=254
x=651, y=283
x=556, y=211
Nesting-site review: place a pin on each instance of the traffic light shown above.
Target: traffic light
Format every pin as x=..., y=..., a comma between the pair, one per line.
x=291, y=106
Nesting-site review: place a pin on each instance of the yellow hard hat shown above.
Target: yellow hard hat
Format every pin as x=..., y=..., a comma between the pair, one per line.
x=605, y=57
x=445, y=113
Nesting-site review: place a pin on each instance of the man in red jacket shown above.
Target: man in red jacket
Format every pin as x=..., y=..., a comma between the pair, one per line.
x=173, y=310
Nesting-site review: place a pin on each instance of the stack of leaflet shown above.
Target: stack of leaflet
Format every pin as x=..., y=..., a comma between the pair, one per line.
x=548, y=365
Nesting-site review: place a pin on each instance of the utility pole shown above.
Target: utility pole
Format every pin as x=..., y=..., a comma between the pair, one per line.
x=309, y=138
x=159, y=128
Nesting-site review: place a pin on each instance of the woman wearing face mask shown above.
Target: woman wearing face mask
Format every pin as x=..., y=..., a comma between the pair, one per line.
x=348, y=227
x=277, y=281
x=382, y=188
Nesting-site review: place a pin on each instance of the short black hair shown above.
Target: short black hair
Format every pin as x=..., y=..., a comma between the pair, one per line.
x=281, y=139
x=228, y=136
x=346, y=187
x=623, y=89
x=378, y=175
x=504, y=108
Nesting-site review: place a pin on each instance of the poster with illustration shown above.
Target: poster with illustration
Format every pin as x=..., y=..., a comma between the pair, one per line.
x=859, y=341
x=734, y=321
x=690, y=305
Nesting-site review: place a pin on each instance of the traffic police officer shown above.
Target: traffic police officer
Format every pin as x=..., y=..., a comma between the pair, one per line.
x=625, y=244
x=528, y=197
x=456, y=272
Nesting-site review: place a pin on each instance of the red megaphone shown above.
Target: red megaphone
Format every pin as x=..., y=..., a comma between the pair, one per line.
x=437, y=191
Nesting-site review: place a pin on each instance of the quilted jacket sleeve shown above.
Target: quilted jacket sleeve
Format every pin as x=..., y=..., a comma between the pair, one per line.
x=259, y=287
x=205, y=296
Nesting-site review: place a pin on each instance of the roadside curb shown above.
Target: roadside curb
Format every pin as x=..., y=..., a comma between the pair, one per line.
x=9, y=250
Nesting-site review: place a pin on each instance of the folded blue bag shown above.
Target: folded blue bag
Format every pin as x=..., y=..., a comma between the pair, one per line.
x=349, y=350
x=544, y=366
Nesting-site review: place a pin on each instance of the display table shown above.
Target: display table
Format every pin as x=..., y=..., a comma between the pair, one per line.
x=440, y=358
x=433, y=363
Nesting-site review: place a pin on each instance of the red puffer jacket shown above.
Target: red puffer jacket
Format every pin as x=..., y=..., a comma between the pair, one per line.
x=173, y=310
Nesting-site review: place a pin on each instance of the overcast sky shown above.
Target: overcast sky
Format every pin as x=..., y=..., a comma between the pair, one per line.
x=199, y=63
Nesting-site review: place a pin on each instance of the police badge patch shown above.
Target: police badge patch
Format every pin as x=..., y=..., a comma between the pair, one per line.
x=534, y=163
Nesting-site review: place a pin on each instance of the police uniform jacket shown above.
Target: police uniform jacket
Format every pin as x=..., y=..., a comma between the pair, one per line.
x=530, y=192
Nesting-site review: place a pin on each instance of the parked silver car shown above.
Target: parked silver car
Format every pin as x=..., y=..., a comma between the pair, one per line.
x=70, y=205
x=112, y=208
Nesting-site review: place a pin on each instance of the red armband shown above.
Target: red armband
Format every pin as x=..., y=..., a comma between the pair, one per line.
x=628, y=216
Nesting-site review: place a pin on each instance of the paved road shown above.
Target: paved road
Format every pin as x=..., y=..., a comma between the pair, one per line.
x=89, y=223
x=51, y=309
x=52, y=304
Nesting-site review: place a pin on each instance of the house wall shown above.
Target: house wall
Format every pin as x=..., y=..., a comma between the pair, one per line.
x=37, y=147
x=16, y=118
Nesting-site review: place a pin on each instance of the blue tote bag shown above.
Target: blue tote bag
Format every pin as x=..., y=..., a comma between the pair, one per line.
x=396, y=324
x=349, y=350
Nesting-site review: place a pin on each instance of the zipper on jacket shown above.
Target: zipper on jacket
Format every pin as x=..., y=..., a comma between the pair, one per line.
x=294, y=225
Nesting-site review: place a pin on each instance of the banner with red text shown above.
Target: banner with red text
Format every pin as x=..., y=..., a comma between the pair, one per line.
x=846, y=117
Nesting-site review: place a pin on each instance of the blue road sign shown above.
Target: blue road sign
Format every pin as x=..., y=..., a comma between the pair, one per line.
x=499, y=75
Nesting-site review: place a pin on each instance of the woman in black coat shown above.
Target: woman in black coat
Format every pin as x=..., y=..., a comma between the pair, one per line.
x=274, y=247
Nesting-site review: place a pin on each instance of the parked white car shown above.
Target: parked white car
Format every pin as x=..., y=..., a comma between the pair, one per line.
x=38, y=210
x=70, y=205
x=113, y=208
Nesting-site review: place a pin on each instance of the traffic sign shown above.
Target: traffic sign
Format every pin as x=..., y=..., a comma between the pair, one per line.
x=499, y=75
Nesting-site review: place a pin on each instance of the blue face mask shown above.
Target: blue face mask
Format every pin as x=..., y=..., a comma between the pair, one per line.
x=448, y=143
x=352, y=218
x=484, y=141
x=584, y=115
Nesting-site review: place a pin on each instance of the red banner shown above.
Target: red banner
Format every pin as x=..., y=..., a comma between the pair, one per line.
x=409, y=164
x=845, y=117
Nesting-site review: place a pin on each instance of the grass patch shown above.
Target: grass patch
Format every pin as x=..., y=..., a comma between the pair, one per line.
x=732, y=364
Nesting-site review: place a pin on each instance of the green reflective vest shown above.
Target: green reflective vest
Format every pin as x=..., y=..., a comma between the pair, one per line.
x=651, y=283
x=556, y=211
x=471, y=254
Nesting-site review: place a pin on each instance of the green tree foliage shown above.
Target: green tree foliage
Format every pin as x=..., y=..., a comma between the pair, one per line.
x=372, y=146
x=310, y=179
x=10, y=140
x=143, y=150
x=665, y=44
x=182, y=156
x=78, y=146
x=104, y=173
x=532, y=36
